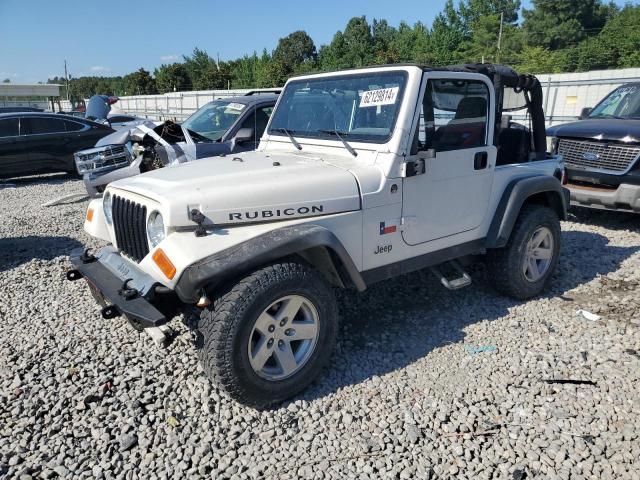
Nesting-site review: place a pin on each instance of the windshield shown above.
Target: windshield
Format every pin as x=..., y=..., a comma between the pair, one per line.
x=361, y=107
x=214, y=119
x=623, y=102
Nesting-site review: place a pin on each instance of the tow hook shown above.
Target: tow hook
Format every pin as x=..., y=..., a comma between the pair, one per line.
x=73, y=275
x=109, y=312
x=127, y=292
x=87, y=256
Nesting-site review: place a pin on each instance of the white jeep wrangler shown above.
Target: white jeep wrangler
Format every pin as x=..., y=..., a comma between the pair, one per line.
x=361, y=175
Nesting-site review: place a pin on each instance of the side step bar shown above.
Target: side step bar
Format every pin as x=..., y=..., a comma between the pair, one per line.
x=462, y=280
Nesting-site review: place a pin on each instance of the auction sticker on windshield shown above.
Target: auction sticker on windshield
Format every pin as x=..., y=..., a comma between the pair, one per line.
x=382, y=96
x=235, y=106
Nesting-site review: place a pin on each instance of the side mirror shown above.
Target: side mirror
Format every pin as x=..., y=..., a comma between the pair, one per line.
x=584, y=113
x=244, y=135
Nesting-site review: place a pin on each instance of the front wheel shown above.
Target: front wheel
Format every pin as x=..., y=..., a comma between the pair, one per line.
x=267, y=337
x=524, y=266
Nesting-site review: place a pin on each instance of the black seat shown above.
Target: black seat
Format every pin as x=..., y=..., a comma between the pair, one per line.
x=514, y=145
x=466, y=129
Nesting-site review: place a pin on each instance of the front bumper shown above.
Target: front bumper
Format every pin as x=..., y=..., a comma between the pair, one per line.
x=117, y=295
x=95, y=183
x=624, y=198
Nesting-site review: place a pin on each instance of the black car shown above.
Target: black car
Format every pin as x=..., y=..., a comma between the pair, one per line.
x=20, y=109
x=33, y=143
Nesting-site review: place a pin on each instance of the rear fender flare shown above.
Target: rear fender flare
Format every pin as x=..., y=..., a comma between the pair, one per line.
x=543, y=189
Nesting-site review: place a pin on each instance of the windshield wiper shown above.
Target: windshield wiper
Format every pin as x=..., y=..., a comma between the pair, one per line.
x=289, y=134
x=344, y=142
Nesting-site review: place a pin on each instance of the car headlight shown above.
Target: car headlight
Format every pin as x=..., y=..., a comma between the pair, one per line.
x=106, y=208
x=155, y=228
x=552, y=144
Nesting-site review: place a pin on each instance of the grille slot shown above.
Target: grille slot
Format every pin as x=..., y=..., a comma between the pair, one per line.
x=611, y=158
x=129, y=223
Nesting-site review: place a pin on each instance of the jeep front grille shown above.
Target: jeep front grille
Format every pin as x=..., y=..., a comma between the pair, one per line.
x=613, y=158
x=102, y=159
x=130, y=225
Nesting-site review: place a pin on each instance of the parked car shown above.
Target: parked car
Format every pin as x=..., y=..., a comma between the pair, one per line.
x=361, y=176
x=602, y=152
x=220, y=127
x=32, y=143
x=20, y=109
x=73, y=113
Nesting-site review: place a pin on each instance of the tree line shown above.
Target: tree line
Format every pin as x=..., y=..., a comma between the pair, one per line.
x=553, y=36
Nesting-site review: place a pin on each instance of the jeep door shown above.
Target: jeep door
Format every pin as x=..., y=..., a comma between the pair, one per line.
x=452, y=136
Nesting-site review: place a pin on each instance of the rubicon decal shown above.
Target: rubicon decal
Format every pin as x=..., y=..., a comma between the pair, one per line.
x=276, y=213
x=388, y=226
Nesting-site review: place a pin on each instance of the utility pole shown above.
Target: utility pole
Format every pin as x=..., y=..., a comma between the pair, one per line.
x=66, y=77
x=500, y=36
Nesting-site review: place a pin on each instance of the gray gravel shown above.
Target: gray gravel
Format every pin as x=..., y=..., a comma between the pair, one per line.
x=425, y=383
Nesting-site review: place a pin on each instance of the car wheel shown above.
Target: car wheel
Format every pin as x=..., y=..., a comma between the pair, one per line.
x=524, y=266
x=266, y=337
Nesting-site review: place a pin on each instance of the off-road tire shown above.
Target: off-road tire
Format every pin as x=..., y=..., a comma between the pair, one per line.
x=225, y=327
x=504, y=265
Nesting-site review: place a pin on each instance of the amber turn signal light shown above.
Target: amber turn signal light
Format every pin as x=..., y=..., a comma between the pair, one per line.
x=89, y=214
x=164, y=264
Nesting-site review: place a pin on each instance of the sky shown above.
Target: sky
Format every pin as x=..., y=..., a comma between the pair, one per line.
x=116, y=37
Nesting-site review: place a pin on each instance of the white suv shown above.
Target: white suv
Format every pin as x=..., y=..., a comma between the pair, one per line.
x=361, y=175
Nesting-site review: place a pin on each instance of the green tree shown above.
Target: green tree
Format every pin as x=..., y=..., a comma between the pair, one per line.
x=352, y=48
x=359, y=42
x=214, y=77
x=139, y=82
x=6, y=80
x=201, y=69
x=384, y=37
x=470, y=11
x=294, y=49
x=263, y=71
x=537, y=60
x=558, y=24
x=172, y=77
x=447, y=35
x=483, y=41
x=620, y=38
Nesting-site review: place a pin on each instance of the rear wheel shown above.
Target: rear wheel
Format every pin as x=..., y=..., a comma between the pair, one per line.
x=524, y=266
x=268, y=336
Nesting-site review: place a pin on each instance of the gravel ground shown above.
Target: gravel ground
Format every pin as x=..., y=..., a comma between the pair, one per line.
x=425, y=383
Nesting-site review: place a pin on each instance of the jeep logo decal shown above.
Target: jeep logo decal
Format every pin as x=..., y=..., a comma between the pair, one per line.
x=278, y=213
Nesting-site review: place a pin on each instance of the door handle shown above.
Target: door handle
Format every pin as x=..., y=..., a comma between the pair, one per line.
x=480, y=160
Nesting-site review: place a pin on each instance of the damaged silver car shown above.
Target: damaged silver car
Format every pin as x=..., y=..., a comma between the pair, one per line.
x=220, y=127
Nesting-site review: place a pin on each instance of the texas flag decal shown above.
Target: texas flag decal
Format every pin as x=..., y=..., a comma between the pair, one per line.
x=388, y=226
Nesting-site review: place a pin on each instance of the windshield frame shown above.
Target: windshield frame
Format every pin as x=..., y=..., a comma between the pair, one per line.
x=347, y=136
x=634, y=91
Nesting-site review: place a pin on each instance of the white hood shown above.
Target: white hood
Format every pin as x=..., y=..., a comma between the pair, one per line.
x=251, y=187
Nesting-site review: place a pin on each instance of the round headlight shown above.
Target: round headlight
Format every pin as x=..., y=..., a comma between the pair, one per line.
x=155, y=228
x=106, y=207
